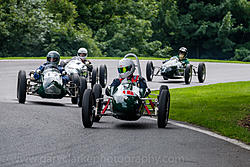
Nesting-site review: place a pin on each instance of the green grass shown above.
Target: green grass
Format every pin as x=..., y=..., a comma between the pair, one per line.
x=141, y=58
x=217, y=107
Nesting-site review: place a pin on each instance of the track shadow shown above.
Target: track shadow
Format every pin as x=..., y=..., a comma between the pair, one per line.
x=47, y=103
x=134, y=125
x=171, y=81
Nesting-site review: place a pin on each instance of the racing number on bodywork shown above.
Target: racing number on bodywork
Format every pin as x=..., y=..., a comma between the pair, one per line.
x=128, y=92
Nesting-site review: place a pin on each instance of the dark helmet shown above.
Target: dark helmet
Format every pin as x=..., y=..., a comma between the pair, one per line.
x=184, y=51
x=53, y=57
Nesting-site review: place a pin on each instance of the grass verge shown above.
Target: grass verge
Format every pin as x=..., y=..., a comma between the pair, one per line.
x=222, y=108
x=141, y=58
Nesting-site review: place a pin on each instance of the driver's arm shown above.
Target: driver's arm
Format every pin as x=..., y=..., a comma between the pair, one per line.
x=109, y=90
x=142, y=83
x=38, y=71
x=89, y=65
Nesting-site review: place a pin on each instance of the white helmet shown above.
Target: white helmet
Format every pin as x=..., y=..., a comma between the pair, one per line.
x=126, y=67
x=82, y=51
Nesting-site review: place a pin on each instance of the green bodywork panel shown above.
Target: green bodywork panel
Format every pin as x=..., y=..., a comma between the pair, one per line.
x=126, y=107
x=41, y=92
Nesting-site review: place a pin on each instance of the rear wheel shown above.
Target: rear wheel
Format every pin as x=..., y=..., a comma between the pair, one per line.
x=87, y=109
x=76, y=80
x=188, y=74
x=201, y=72
x=21, y=86
x=97, y=91
x=81, y=89
x=94, y=77
x=103, y=75
x=163, y=109
x=149, y=70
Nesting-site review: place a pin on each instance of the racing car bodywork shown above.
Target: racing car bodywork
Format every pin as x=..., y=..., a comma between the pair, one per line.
x=76, y=66
x=127, y=102
x=50, y=85
x=174, y=69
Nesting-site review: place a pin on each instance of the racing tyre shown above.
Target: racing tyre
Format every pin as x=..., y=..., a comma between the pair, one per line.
x=87, y=109
x=188, y=74
x=82, y=88
x=149, y=70
x=163, y=87
x=97, y=91
x=103, y=75
x=75, y=79
x=94, y=77
x=163, y=109
x=201, y=72
x=21, y=86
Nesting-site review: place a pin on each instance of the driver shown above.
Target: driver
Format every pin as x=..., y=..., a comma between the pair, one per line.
x=182, y=56
x=126, y=68
x=82, y=54
x=53, y=58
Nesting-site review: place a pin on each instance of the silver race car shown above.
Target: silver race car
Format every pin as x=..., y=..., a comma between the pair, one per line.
x=76, y=66
x=174, y=69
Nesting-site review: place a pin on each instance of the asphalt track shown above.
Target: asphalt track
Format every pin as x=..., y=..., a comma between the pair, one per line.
x=46, y=132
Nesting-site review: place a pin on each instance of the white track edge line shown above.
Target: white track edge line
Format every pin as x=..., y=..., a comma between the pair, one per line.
x=233, y=141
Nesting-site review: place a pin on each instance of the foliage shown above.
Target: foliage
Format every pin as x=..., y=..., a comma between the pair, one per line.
x=216, y=29
x=241, y=54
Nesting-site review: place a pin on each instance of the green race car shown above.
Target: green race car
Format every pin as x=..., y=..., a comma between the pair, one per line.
x=50, y=85
x=126, y=102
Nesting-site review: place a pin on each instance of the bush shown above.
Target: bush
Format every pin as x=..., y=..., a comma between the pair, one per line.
x=241, y=54
x=246, y=59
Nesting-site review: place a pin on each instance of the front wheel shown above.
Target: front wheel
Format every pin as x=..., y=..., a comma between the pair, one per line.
x=201, y=72
x=75, y=79
x=21, y=86
x=149, y=70
x=87, y=109
x=97, y=91
x=163, y=108
x=188, y=74
x=103, y=75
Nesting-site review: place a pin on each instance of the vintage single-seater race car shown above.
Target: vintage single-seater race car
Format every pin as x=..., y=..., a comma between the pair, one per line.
x=76, y=66
x=174, y=69
x=50, y=85
x=126, y=103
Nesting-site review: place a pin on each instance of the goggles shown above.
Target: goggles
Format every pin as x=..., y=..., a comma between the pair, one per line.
x=181, y=52
x=51, y=59
x=82, y=54
x=124, y=69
